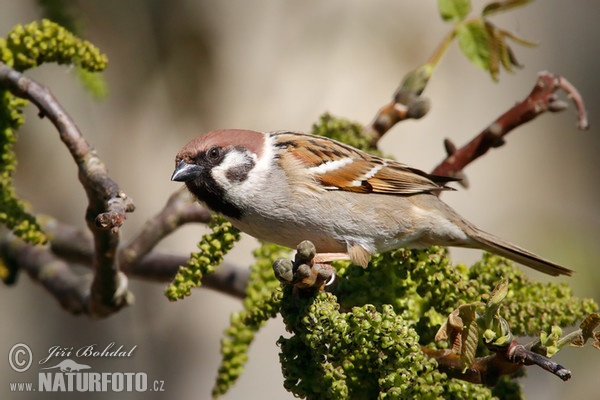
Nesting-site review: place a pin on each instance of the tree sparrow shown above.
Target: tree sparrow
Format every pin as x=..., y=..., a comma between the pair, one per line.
x=286, y=187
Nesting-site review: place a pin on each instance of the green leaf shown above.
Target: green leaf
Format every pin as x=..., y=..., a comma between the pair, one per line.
x=500, y=6
x=454, y=10
x=474, y=42
x=470, y=334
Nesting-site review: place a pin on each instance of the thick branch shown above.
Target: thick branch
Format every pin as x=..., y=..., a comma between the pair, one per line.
x=107, y=203
x=53, y=267
x=71, y=290
x=75, y=246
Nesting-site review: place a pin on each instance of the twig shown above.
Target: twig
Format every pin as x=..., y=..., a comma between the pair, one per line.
x=229, y=278
x=406, y=103
x=181, y=208
x=519, y=353
x=71, y=290
x=69, y=243
x=107, y=204
x=53, y=267
x=489, y=369
x=541, y=99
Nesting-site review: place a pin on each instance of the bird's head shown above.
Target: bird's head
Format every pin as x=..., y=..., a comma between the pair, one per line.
x=214, y=165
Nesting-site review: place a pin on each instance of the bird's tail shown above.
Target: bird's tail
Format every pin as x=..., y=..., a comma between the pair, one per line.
x=503, y=248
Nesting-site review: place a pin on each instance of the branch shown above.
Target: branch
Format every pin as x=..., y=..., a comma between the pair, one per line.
x=53, y=267
x=489, y=369
x=71, y=290
x=107, y=204
x=75, y=246
x=181, y=208
x=541, y=99
x=407, y=103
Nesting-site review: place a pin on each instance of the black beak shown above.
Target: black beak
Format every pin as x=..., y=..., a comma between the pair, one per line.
x=185, y=172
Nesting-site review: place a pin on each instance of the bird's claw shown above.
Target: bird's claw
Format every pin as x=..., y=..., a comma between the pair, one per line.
x=303, y=272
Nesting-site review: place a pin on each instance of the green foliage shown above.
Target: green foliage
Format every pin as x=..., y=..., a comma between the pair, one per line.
x=530, y=307
x=363, y=342
x=12, y=210
x=454, y=10
x=356, y=354
x=473, y=41
x=213, y=247
x=27, y=47
x=482, y=42
x=343, y=130
x=262, y=302
x=34, y=44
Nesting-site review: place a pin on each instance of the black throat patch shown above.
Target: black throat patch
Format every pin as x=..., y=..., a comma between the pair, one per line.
x=214, y=197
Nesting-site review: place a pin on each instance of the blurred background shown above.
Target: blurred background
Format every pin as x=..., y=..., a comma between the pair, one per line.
x=180, y=68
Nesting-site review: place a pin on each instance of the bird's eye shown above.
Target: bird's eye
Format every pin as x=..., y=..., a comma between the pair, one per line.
x=214, y=153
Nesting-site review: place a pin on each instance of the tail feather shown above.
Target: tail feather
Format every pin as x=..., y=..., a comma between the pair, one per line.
x=503, y=248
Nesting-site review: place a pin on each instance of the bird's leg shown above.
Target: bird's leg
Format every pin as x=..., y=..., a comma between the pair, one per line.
x=309, y=269
x=357, y=254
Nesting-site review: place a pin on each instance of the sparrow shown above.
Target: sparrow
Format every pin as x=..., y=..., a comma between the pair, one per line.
x=287, y=187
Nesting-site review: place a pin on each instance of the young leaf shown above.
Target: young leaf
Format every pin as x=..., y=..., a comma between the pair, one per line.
x=499, y=6
x=470, y=334
x=454, y=10
x=473, y=40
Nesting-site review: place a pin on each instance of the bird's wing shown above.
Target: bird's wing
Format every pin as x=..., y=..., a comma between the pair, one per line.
x=337, y=166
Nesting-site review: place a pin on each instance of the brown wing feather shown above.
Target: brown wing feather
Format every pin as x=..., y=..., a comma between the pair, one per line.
x=337, y=166
x=399, y=179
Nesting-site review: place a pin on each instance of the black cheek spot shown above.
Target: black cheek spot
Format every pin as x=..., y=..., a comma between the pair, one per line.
x=240, y=172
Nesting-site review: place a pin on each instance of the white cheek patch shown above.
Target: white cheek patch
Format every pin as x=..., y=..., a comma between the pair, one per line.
x=256, y=173
x=260, y=173
x=234, y=160
x=330, y=166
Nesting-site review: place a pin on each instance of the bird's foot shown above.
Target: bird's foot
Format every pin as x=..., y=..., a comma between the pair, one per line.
x=308, y=269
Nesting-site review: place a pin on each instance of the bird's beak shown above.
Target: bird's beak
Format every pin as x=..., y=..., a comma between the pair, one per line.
x=185, y=172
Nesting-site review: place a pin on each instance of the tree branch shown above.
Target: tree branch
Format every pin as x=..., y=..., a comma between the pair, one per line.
x=107, y=204
x=488, y=370
x=407, y=103
x=71, y=290
x=542, y=98
x=52, y=267
x=181, y=208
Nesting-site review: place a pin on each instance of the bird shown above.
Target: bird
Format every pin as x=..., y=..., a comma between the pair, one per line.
x=286, y=187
